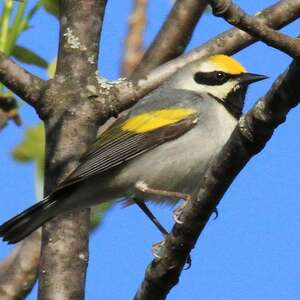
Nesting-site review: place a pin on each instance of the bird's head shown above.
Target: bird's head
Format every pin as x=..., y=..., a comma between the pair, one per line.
x=220, y=76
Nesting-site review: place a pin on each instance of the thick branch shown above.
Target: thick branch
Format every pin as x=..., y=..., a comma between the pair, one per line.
x=71, y=124
x=19, y=270
x=238, y=18
x=229, y=42
x=79, y=37
x=27, y=86
x=133, y=50
x=173, y=36
x=250, y=136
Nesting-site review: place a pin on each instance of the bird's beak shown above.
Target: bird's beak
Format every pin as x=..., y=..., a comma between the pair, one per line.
x=247, y=78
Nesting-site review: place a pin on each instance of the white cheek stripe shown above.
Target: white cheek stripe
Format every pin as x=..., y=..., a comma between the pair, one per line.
x=219, y=91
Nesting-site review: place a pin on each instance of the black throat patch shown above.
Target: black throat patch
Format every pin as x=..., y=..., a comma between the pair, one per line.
x=234, y=102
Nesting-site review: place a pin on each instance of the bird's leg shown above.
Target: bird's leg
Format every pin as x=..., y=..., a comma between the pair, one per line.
x=150, y=215
x=156, y=247
x=142, y=187
x=178, y=211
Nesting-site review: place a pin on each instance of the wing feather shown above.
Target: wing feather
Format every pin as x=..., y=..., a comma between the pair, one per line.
x=116, y=146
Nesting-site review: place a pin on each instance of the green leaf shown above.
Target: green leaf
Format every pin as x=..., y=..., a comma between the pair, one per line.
x=97, y=214
x=51, y=7
x=23, y=23
x=32, y=148
x=29, y=57
x=33, y=10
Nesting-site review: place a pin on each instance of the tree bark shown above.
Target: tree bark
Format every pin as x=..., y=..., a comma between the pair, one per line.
x=20, y=268
x=133, y=48
x=70, y=114
x=27, y=86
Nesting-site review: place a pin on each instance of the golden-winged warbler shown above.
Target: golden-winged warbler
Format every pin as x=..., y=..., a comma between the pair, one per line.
x=158, y=151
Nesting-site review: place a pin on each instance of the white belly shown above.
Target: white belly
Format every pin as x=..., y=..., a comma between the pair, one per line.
x=178, y=165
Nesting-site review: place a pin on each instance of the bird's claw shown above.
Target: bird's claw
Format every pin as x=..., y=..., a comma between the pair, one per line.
x=177, y=213
x=215, y=211
x=188, y=263
x=176, y=216
x=156, y=252
x=156, y=249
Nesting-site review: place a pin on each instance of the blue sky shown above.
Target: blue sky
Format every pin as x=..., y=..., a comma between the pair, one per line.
x=250, y=252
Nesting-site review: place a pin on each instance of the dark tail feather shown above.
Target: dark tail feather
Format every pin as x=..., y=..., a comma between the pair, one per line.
x=27, y=221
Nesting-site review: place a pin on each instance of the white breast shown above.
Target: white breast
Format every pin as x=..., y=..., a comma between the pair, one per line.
x=179, y=164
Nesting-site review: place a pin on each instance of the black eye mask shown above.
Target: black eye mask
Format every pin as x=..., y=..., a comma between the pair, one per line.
x=213, y=78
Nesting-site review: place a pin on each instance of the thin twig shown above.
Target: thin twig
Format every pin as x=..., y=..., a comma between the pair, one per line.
x=133, y=50
x=24, y=84
x=238, y=18
x=249, y=137
x=173, y=36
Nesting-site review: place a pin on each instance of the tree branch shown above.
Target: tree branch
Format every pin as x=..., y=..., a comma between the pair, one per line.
x=238, y=18
x=230, y=42
x=18, y=271
x=70, y=121
x=173, y=36
x=3, y=119
x=133, y=50
x=249, y=137
x=24, y=84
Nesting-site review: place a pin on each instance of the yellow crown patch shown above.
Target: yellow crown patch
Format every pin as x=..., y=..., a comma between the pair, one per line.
x=227, y=64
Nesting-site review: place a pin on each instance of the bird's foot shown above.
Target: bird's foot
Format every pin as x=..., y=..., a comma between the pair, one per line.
x=156, y=249
x=177, y=213
x=215, y=211
x=188, y=263
x=156, y=252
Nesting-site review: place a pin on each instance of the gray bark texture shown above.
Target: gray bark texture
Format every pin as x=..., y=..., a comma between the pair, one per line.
x=71, y=116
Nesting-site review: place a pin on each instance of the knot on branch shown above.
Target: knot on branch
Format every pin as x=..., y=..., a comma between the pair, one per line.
x=245, y=129
x=125, y=94
x=220, y=7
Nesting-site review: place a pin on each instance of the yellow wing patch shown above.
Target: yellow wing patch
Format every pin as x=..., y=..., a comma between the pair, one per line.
x=155, y=119
x=227, y=64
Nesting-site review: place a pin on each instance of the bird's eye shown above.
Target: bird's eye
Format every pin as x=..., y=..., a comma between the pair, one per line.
x=211, y=78
x=220, y=76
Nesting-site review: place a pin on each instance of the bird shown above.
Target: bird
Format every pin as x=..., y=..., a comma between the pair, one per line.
x=158, y=151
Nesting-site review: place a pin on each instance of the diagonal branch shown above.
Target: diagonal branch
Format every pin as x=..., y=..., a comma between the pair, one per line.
x=173, y=36
x=229, y=42
x=133, y=50
x=18, y=271
x=238, y=18
x=249, y=137
x=24, y=84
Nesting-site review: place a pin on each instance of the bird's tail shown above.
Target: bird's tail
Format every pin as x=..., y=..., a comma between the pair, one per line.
x=20, y=226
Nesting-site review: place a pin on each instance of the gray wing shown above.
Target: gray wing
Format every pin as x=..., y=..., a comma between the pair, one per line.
x=116, y=146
